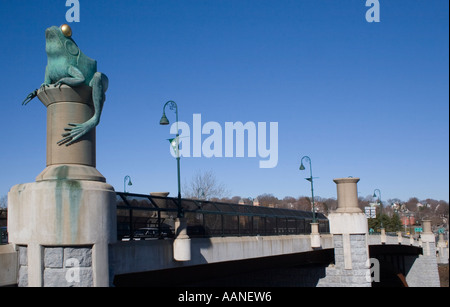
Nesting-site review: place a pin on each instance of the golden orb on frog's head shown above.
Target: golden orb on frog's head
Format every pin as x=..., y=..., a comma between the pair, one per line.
x=66, y=30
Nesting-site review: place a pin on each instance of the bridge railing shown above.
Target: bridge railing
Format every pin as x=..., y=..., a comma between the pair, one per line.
x=3, y=228
x=152, y=217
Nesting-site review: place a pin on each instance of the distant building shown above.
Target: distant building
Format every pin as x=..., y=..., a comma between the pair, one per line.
x=408, y=220
x=396, y=206
x=420, y=205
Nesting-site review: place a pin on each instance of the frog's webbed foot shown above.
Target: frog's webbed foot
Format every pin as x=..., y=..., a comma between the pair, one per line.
x=30, y=97
x=59, y=84
x=75, y=132
x=33, y=94
x=44, y=86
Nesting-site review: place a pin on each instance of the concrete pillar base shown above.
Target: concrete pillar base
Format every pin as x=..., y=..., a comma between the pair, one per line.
x=64, y=228
x=348, y=223
x=182, y=243
x=182, y=249
x=70, y=172
x=315, y=235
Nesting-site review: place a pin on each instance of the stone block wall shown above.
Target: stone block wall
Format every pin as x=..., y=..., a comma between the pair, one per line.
x=63, y=266
x=23, y=266
x=352, y=272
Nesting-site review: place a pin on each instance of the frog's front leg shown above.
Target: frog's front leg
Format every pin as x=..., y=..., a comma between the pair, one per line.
x=99, y=84
x=75, y=78
x=33, y=94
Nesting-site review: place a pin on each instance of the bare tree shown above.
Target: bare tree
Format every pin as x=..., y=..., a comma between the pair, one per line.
x=204, y=185
x=288, y=202
x=267, y=200
x=3, y=202
x=304, y=203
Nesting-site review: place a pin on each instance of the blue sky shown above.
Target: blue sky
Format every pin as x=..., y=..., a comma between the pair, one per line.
x=368, y=100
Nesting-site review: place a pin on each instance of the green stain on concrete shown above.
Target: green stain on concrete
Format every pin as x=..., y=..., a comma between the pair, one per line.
x=68, y=195
x=75, y=194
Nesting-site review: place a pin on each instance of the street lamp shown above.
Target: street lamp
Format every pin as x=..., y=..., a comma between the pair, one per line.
x=310, y=179
x=381, y=204
x=125, y=183
x=175, y=145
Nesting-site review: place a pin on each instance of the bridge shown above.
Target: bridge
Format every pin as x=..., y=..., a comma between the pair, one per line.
x=157, y=241
x=244, y=245
x=223, y=238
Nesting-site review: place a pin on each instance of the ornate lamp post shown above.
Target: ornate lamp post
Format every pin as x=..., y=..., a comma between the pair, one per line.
x=175, y=145
x=381, y=205
x=310, y=179
x=125, y=181
x=182, y=243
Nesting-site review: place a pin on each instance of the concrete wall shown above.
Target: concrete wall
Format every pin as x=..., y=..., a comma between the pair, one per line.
x=8, y=265
x=141, y=256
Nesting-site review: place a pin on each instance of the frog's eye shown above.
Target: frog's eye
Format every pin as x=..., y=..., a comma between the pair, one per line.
x=66, y=30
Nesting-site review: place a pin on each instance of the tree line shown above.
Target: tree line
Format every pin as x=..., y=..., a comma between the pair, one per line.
x=204, y=185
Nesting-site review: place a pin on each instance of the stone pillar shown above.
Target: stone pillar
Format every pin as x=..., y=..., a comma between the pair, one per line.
x=428, y=238
x=443, y=249
x=399, y=237
x=182, y=242
x=315, y=235
x=64, y=222
x=383, y=236
x=349, y=228
x=424, y=269
x=78, y=161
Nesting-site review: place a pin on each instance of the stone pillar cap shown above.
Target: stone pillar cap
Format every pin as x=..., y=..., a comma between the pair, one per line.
x=65, y=93
x=346, y=180
x=347, y=195
x=426, y=224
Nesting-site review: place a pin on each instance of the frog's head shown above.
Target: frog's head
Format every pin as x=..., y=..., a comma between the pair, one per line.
x=59, y=42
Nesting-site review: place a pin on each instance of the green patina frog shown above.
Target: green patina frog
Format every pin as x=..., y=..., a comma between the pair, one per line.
x=68, y=65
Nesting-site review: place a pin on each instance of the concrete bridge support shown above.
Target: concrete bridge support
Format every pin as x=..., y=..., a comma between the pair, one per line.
x=442, y=249
x=424, y=269
x=63, y=224
x=348, y=225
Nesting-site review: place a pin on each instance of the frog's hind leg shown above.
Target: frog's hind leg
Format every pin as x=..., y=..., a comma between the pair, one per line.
x=99, y=85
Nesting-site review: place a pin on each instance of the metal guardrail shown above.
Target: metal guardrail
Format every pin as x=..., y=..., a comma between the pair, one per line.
x=150, y=217
x=3, y=229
